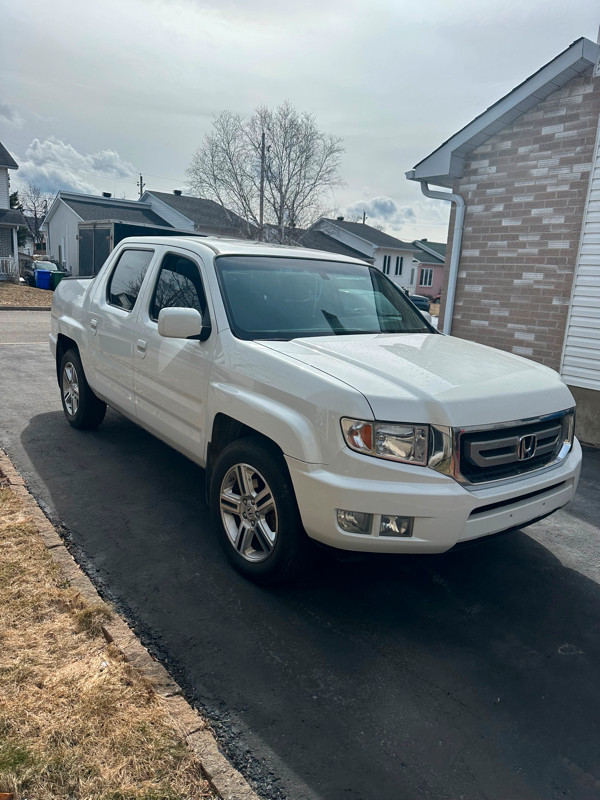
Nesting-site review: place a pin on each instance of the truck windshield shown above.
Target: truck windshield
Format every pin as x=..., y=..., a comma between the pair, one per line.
x=287, y=298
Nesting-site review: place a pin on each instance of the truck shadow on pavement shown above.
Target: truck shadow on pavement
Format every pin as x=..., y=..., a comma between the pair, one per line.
x=472, y=673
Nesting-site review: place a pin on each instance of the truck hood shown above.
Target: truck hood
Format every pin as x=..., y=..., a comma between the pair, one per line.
x=431, y=378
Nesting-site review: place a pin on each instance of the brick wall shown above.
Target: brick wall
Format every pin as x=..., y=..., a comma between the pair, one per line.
x=525, y=191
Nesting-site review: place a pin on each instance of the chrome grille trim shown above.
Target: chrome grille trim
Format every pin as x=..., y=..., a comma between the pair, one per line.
x=556, y=432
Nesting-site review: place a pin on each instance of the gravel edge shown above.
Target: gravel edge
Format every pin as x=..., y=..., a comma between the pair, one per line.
x=224, y=779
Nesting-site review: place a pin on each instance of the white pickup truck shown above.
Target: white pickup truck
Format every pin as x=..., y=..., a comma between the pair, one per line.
x=321, y=403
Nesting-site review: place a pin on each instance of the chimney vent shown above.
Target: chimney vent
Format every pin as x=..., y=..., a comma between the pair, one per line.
x=177, y=192
x=106, y=194
x=340, y=219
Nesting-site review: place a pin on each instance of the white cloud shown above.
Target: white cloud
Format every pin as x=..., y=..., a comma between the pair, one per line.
x=53, y=164
x=401, y=220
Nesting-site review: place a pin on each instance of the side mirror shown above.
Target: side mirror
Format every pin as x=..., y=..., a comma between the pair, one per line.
x=179, y=323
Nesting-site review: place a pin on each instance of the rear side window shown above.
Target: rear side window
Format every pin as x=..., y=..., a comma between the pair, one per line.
x=127, y=278
x=178, y=286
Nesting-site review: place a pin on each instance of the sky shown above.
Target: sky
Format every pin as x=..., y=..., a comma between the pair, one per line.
x=94, y=93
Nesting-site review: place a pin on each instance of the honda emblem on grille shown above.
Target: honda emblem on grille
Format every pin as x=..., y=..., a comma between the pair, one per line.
x=527, y=445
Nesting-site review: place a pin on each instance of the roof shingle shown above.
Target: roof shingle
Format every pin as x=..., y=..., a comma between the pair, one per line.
x=372, y=235
x=317, y=240
x=6, y=160
x=109, y=209
x=207, y=216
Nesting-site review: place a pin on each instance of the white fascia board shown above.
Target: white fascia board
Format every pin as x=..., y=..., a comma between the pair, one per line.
x=431, y=252
x=96, y=198
x=53, y=208
x=160, y=202
x=445, y=163
x=371, y=244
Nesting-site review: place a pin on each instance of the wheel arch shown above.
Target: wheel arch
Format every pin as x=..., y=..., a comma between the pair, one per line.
x=64, y=343
x=227, y=429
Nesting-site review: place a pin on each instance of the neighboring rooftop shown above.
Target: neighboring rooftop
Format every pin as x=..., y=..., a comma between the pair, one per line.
x=92, y=208
x=207, y=216
x=446, y=161
x=12, y=216
x=430, y=252
x=317, y=240
x=370, y=234
x=6, y=160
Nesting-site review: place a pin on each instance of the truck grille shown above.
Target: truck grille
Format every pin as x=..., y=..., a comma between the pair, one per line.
x=506, y=452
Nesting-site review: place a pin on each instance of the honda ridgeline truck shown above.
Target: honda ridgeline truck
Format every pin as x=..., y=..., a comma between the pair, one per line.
x=321, y=403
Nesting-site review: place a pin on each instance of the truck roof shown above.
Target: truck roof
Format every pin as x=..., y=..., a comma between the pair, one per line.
x=226, y=246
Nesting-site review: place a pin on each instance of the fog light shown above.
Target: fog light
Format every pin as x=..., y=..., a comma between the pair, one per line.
x=354, y=521
x=396, y=526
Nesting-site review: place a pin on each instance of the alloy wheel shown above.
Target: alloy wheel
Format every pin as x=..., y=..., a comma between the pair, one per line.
x=249, y=512
x=70, y=389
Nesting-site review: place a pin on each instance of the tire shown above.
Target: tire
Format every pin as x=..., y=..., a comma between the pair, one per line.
x=263, y=541
x=81, y=406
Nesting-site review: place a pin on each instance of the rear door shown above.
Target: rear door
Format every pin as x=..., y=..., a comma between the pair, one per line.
x=171, y=375
x=112, y=320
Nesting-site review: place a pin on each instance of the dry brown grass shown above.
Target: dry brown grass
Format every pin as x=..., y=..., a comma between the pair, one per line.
x=18, y=294
x=76, y=720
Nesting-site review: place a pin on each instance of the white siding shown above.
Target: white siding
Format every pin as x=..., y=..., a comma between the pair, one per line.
x=4, y=198
x=581, y=354
x=64, y=226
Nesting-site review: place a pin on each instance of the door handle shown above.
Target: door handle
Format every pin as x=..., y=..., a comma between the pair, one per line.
x=141, y=347
x=94, y=325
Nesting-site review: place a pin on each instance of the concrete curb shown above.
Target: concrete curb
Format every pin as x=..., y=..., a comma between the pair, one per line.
x=224, y=779
x=25, y=308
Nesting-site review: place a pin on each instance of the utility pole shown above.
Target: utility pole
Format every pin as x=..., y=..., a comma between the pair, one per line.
x=141, y=184
x=364, y=217
x=262, y=188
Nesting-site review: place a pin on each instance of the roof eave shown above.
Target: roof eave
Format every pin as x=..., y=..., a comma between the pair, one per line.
x=446, y=162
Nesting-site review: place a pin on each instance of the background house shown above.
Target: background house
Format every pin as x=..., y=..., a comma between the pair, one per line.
x=429, y=259
x=10, y=219
x=392, y=256
x=71, y=211
x=528, y=170
x=197, y=214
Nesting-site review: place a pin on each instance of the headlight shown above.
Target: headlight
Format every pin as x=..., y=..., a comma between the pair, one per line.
x=390, y=440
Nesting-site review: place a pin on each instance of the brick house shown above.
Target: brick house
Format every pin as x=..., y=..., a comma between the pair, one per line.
x=523, y=269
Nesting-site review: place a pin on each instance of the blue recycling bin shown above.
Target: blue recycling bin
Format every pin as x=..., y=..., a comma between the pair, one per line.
x=42, y=278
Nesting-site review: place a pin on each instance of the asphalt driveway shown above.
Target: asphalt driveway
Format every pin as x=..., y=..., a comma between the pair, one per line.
x=470, y=675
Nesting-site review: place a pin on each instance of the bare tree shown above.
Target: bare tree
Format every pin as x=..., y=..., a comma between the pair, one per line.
x=278, y=156
x=35, y=204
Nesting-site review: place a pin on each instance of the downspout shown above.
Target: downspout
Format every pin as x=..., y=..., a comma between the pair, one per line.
x=459, y=221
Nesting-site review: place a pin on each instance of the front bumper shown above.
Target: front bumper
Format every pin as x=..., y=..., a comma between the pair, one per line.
x=444, y=512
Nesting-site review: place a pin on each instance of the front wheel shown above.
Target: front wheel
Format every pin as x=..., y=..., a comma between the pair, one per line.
x=81, y=406
x=255, y=510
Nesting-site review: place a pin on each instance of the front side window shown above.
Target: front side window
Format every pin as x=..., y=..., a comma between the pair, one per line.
x=127, y=278
x=426, y=277
x=178, y=286
x=286, y=298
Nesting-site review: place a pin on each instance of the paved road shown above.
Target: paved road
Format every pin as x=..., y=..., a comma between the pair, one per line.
x=473, y=675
